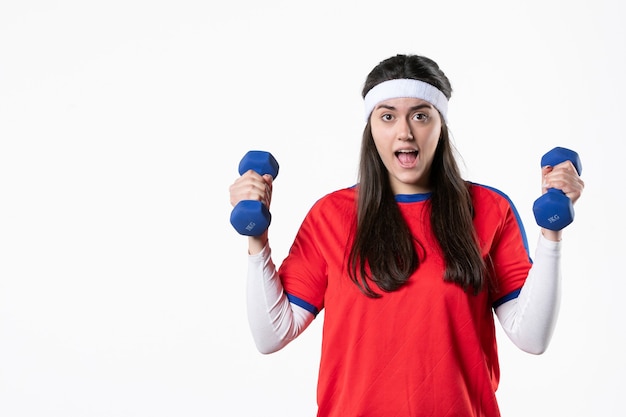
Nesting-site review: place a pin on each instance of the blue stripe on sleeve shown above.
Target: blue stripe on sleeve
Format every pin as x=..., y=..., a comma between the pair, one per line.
x=510, y=296
x=301, y=303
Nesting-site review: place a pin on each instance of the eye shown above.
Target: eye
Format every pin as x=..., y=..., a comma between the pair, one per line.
x=386, y=117
x=420, y=117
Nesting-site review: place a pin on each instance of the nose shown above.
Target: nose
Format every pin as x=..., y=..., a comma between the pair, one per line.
x=404, y=130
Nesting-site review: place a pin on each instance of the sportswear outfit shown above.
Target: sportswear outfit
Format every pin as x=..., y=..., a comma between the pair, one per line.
x=427, y=349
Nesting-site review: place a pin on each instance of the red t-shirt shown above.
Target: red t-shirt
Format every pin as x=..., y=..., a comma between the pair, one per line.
x=427, y=349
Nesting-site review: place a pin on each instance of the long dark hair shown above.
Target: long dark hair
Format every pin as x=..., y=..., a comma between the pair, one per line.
x=383, y=242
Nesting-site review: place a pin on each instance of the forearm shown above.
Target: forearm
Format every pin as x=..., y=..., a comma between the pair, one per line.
x=274, y=321
x=529, y=319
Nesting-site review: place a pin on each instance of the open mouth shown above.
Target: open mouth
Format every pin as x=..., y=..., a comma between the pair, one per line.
x=407, y=158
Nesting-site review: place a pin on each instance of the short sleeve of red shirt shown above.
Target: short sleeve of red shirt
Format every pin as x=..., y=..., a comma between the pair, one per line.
x=321, y=243
x=503, y=238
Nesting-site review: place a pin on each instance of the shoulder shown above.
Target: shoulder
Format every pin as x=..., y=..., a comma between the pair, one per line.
x=343, y=197
x=487, y=195
x=492, y=204
x=493, y=208
x=336, y=204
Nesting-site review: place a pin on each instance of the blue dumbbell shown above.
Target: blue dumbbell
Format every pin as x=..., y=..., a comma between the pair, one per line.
x=554, y=210
x=251, y=217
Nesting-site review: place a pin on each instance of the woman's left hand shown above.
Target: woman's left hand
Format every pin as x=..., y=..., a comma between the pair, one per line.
x=563, y=177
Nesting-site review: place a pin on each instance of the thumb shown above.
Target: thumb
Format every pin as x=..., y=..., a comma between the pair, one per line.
x=268, y=179
x=544, y=181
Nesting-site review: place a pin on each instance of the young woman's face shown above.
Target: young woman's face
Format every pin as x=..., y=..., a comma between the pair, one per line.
x=406, y=132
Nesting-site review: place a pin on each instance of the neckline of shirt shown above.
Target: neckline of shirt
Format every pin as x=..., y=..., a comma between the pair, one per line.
x=412, y=198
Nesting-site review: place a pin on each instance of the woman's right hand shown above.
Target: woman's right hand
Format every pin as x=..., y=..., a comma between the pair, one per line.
x=252, y=186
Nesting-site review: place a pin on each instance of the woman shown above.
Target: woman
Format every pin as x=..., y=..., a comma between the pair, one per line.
x=409, y=265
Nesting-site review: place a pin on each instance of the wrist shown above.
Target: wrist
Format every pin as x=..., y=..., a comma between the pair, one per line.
x=553, y=235
x=257, y=243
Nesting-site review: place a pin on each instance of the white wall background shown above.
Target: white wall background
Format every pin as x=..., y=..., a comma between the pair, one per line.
x=121, y=126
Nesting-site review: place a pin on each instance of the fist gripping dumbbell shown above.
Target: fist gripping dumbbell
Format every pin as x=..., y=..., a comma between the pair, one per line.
x=554, y=210
x=251, y=217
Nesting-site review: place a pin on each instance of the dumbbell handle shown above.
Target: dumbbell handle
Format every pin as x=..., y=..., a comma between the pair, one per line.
x=251, y=217
x=554, y=210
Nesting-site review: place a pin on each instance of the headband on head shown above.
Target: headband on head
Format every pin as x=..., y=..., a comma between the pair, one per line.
x=406, y=88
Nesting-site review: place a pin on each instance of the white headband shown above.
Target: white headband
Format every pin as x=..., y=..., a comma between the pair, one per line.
x=406, y=88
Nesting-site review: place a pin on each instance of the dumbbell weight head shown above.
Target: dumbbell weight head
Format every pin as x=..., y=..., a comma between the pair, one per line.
x=554, y=210
x=250, y=217
x=261, y=162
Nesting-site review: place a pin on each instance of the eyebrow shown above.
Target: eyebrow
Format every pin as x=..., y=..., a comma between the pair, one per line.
x=418, y=107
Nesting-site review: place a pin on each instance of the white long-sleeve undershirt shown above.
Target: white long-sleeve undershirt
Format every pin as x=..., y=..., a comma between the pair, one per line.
x=528, y=320
x=274, y=321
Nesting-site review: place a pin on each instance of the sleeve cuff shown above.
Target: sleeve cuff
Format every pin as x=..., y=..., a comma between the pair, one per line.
x=265, y=253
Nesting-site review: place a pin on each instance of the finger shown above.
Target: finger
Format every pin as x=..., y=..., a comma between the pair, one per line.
x=269, y=181
x=252, y=186
x=248, y=187
x=564, y=177
x=544, y=173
